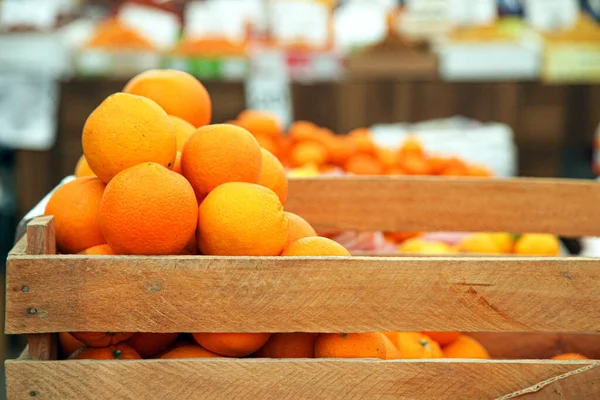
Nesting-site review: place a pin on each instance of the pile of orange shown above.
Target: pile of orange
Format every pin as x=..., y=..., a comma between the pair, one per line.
x=157, y=178
x=527, y=244
x=306, y=144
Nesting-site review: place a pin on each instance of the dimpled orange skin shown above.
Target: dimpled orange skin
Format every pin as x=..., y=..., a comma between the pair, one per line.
x=120, y=351
x=217, y=154
x=177, y=92
x=232, y=344
x=190, y=351
x=466, y=347
x=125, y=130
x=289, y=345
x=183, y=131
x=241, y=219
x=76, y=210
x=315, y=246
x=298, y=228
x=273, y=175
x=148, y=210
x=83, y=168
x=351, y=345
x=414, y=345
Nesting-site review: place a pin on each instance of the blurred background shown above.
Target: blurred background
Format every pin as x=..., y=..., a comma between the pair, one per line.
x=509, y=84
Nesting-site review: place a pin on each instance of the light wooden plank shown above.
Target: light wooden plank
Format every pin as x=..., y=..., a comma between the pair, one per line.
x=40, y=236
x=40, y=241
x=426, y=204
x=282, y=294
x=20, y=247
x=293, y=379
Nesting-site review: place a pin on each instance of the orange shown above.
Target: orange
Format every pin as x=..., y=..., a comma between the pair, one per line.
x=189, y=351
x=289, y=345
x=537, y=244
x=183, y=131
x=177, y=164
x=411, y=147
x=479, y=171
x=101, y=339
x=149, y=344
x=273, y=175
x=482, y=243
x=83, y=168
x=570, y=356
x=362, y=141
x=260, y=123
x=125, y=130
x=363, y=164
x=76, y=209
x=308, y=152
x=387, y=158
x=68, y=344
x=351, y=345
x=435, y=248
x=120, y=351
x=413, y=345
x=315, y=246
x=241, y=219
x=112, y=34
x=302, y=130
x=232, y=344
x=148, y=209
x=298, y=228
x=177, y=92
x=414, y=165
x=420, y=246
x=437, y=164
x=504, y=241
x=454, y=167
x=341, y=149
x=101, y=249
x=443, y=338
x=217, y=154
x=465, y=347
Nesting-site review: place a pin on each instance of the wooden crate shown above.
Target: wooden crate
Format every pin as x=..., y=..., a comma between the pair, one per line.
x=48, y=293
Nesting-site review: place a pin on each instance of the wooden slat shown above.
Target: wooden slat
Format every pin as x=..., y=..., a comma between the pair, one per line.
x=282, y=294
x=297, y=379
x=40, y=236
x=425, y=204
x=40, y=240
x=20, y=247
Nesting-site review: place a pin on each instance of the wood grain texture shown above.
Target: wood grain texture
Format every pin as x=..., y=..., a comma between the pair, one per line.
x=427, y=204
x=40, y=236
x=294, y=379
x=20, y=247
x=40, y=241
x=283, y=294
